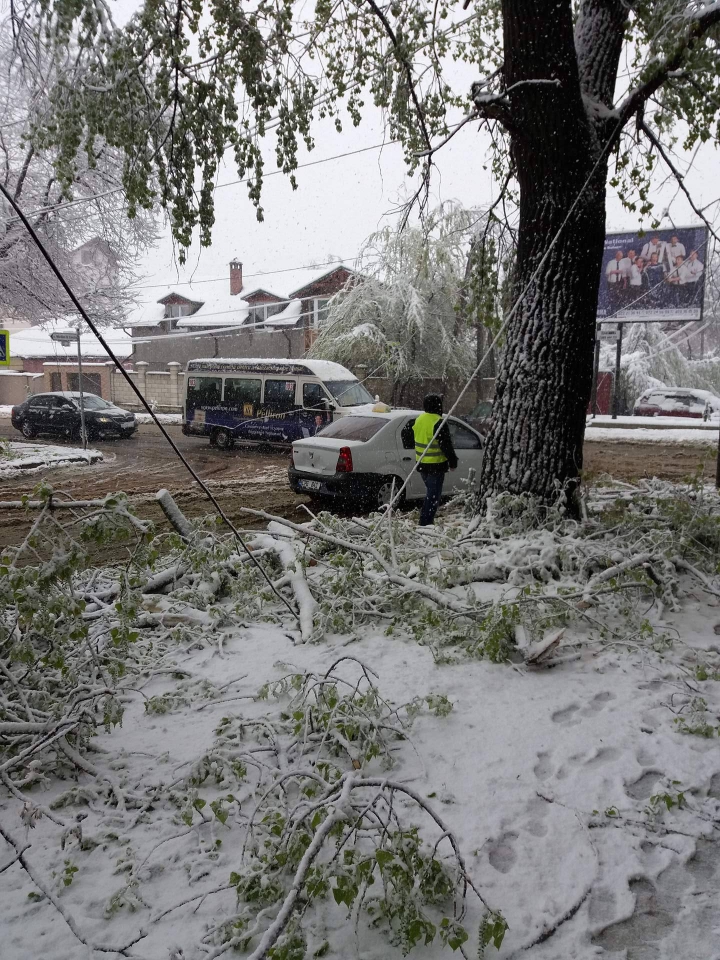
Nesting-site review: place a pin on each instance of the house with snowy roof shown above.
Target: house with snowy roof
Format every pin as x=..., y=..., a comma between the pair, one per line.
x=235, y=322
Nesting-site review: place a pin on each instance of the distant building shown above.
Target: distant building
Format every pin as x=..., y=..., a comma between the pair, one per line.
x=315, y=296
x=37, y=362
x=261, y=323
x=96, y=264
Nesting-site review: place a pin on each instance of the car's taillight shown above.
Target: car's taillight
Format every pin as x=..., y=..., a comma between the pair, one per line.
x=344, y=464
x=13, y=411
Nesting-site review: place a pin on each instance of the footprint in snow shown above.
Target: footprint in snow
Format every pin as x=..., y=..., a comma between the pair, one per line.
x=543, y=767
x=644, y=787
x=598, y=703
x=601, y=757
x=566, y=714
x=537, y=810
x=501, y=854
x=644, y=758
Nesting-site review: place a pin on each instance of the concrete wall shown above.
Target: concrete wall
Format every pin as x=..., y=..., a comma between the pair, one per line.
x=265, y=344
x=64, y=372
x=15, y=387
x=163, y=389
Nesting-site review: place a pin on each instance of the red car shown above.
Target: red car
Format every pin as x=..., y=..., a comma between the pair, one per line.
x=677, y=402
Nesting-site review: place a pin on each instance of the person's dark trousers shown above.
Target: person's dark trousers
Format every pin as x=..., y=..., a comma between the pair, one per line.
x=433, y=487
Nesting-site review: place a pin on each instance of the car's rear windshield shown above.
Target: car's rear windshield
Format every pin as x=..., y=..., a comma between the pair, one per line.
x=353, y=428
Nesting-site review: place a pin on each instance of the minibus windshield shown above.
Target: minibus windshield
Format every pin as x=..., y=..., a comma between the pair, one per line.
x=348, y=393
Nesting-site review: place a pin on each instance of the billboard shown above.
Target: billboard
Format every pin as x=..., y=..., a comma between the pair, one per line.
x=657, y=275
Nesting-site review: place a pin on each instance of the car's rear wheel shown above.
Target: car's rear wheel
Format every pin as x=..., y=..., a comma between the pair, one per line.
x=386, y=490
x=28, y=431
x=223, y=439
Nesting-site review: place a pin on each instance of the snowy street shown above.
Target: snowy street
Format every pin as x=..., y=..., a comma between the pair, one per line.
x=145, y=463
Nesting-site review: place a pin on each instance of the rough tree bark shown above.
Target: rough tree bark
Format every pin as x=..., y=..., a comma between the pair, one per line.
x=544, y=380
x=562, y=132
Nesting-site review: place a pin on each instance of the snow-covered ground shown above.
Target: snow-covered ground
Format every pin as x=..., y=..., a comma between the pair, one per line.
x=19, y=457
x=685, y=423
x=594, y=434
x=162, y=417
x=516, y=770
x=585, y=813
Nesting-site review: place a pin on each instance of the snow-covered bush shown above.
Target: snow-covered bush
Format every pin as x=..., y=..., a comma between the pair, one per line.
x=401, y=318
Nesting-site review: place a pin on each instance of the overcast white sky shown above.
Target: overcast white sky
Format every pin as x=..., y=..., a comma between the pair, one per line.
x=340, y=202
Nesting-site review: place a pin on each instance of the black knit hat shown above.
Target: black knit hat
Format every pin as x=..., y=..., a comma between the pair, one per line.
x=433, y=403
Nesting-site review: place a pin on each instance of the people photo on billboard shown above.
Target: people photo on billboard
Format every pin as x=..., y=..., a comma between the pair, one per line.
x=659, y=275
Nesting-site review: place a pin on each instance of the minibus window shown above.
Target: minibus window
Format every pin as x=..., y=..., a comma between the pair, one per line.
x=203, y=391
x=239, y=391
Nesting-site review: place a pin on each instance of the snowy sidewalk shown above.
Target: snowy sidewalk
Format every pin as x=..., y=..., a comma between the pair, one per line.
x=18, y=458
x=606, y=434
x=652, y=430
x=656, y=423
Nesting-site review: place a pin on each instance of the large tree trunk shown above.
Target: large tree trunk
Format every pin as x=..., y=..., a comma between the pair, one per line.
x=544, y=381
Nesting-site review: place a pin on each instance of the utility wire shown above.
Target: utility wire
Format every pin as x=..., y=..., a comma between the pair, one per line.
x=81, y=310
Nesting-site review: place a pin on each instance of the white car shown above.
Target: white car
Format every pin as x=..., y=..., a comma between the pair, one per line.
x=360, y=457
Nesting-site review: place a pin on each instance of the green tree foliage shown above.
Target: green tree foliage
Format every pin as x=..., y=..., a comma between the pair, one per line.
x=182, y=84
x=572, y=93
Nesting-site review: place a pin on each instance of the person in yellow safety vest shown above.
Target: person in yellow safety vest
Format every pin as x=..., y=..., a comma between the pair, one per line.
x=434, y=455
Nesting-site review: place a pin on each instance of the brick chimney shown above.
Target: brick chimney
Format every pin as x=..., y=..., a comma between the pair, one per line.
x=236, y=279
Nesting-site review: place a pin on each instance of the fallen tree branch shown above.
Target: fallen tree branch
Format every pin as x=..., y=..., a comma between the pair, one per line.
x=291, y=563
x=412, y=586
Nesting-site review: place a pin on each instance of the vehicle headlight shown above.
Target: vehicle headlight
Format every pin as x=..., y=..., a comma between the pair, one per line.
x=104, y=420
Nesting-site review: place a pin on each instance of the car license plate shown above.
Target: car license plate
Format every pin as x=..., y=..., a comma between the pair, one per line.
x=128, y=426
x=309, y=484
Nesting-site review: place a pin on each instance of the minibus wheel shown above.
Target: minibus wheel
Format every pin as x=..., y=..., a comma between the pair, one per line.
x=222, y=438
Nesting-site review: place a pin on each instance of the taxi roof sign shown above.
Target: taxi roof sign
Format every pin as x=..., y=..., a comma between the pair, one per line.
x=4, y=348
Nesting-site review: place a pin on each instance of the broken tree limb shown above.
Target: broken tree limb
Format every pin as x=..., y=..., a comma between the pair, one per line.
x=46, y=889
x=292, y=565
x=174, y=514
x=412, y=586
x=637, y=561
x=689, y=568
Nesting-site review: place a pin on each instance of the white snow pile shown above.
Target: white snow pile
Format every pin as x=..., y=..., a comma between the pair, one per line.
x=360, y=738
x=162, y=417
x=686, y=423
x=18, y=458
x=686, y=435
